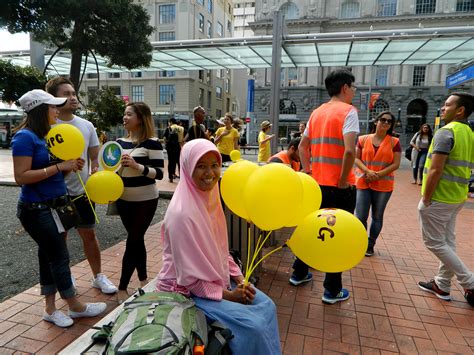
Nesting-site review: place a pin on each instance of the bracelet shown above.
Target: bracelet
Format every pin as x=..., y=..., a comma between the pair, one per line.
x=145, y=171
x=45, y=172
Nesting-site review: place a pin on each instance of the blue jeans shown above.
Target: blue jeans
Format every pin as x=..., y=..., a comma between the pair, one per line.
x=55, y=274
x=420, y=164
x=377, y=201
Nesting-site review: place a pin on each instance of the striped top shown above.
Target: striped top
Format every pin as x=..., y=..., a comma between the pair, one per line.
x=140, y=185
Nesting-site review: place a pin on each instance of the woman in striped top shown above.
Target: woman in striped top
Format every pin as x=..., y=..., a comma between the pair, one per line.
x=142, y=163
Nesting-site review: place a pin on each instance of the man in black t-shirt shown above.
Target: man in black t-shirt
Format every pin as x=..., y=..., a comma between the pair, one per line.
x=197, y=129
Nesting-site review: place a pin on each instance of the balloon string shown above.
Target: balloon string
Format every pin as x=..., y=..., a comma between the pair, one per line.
x=258, y=263
x=258, y=248
x=248, y=249
x=88, y=198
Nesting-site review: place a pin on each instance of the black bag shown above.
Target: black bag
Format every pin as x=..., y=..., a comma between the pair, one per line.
x=68, y=215
x=408, y=152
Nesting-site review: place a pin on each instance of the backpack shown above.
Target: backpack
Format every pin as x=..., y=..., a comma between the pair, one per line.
x=158, y=323
x=172, y=138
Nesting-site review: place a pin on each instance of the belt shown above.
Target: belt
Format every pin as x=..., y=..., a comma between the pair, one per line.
x=53, y=203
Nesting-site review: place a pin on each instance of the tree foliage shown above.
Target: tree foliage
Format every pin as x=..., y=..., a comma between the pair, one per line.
x=16, y=80
x=105, y=109
x=115, y=29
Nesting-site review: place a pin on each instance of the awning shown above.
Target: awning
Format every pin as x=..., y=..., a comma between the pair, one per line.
x=421, y=46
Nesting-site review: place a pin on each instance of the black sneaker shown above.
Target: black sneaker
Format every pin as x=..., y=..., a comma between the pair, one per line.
x=370, y=251
x=431, y=287
x=469, y=296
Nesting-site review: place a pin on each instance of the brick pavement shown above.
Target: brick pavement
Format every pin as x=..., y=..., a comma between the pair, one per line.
x=387, y=312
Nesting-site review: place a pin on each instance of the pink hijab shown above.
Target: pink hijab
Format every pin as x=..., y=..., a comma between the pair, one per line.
x=194, y=230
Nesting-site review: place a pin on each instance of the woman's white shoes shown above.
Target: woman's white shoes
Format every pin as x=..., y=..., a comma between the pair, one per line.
x=92, y=310
x=58, y=318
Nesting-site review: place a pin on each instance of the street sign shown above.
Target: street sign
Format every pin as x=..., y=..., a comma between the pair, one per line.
x=247, y=120
x=460, y=77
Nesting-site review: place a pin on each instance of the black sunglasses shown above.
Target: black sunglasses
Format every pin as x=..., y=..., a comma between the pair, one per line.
x=385, y=120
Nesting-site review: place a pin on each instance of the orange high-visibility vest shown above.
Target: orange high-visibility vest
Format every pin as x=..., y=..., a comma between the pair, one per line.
x=327, y=143
x=283, y=156
x=376, y=162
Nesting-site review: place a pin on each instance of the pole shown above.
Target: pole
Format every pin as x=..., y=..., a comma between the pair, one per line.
x=276, y=66
x=368, y=99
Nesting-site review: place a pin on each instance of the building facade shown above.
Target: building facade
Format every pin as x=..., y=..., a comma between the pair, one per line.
x=176, y=93
x=413, y=93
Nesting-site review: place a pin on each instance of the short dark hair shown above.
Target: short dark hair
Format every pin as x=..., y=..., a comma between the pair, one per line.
x=337, y=79
x=173, y=120
x=295, y=142
x=36, y=120
x=53, y=85
x=465, y=99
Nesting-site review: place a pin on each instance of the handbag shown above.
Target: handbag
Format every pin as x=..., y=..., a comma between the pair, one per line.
x=68, y=214
x=112, y=209
x=408, y=152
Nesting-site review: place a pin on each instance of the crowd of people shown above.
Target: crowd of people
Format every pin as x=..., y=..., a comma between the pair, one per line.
x=196, y=260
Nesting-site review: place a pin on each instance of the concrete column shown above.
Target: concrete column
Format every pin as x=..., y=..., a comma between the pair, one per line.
x=36, y=54
x=276, y=66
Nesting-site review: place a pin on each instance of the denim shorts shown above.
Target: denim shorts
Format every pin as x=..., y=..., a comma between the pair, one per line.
x=85, y=212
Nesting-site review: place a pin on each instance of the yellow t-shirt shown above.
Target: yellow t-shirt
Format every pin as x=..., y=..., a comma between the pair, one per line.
x=226, y=144
x=263, y=149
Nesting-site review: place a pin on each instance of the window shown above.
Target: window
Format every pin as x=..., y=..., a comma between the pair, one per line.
x=220, y=73
x=219, y=29
x=201, y=76
x=166, y=36
x=201, y=22
x=292, y=76
x=92, y=76
x=209, y=29
x=200, y=2
x=218, y=92
x=218, y=113
x=227, y=86
x=465, y=5
x=350, y=10
x=91, y=93
x=419, y=75
x=167, y=14
x=381, y=76
x=209, y=6
x=138, y=93
x=229, y=27
x=290, y=11
x=166, y=73
x=136, y=74
x=201, y=97
x=113, y=75
x=208, y=76
x=117, y=90
x=386, y=7
x=167, y=93
x=209, y=99
x=425, y=6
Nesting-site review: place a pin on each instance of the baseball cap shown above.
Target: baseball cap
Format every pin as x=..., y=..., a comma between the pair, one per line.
x=265, y=124
x=197, y=108
x=221, y=121
x=37, y=97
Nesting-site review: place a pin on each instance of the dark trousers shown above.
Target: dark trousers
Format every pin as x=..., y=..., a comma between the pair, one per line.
x=136, y=217
x=173, y=161
x=332, y=197
x=54, y=271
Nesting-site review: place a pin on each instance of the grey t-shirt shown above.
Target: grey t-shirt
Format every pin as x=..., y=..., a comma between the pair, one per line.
x=443, y=141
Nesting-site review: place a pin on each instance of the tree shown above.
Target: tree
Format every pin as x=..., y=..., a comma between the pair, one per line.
x=115, y=29
x=16, y=80
x=105, y=109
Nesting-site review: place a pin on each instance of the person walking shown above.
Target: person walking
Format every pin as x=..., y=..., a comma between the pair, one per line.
x=377, y=157
x=327, y=152
x=264, y=150
x=41, y=177
x=443, y=194
x=173, y=141
x=420, y=143
x=227, y=138
x=62, y=87
x=143, y=164
x=197, y=129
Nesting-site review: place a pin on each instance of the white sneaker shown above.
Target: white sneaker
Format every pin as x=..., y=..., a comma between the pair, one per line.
x=104, y=284
x=58, y=318
x=92, y=310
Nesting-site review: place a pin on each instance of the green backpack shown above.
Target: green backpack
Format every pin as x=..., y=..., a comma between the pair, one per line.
x=157, y=323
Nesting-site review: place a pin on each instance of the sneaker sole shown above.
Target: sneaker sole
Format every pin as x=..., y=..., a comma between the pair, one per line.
x=297, y=283
x=106, y=293
x=57, y=325
x=333, y=300
x=444, y=298
x=368, y=254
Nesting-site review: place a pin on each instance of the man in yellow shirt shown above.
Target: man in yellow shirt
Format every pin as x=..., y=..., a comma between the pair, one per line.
x=264, y=152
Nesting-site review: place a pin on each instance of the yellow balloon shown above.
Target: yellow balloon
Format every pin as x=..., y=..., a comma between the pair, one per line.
x=65, y=141
x=235, y=155
x=330, y=240
x=271, y=196
x=104, y=187
x=233, y=183
x=310, y=200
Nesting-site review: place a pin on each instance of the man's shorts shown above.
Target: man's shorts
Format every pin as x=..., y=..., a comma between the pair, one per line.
x=85, y=211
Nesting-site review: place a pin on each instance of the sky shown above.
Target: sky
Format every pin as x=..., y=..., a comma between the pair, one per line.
x=12, y=42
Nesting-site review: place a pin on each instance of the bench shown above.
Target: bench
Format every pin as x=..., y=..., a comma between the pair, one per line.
x=252, y=148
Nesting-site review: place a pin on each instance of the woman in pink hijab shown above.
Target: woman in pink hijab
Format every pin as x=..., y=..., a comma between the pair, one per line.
x=196, y=260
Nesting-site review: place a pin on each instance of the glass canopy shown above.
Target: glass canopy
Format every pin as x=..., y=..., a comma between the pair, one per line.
x=416, y=47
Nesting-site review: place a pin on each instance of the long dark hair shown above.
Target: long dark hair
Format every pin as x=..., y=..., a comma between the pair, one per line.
x=392, y=125
x=36, y=120
x=430, y=132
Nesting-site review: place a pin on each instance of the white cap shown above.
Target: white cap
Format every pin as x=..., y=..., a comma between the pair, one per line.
x=36, y=97
x=221, y=121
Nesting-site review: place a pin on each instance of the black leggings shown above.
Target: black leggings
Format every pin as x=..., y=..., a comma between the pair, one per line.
x=136, y=217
